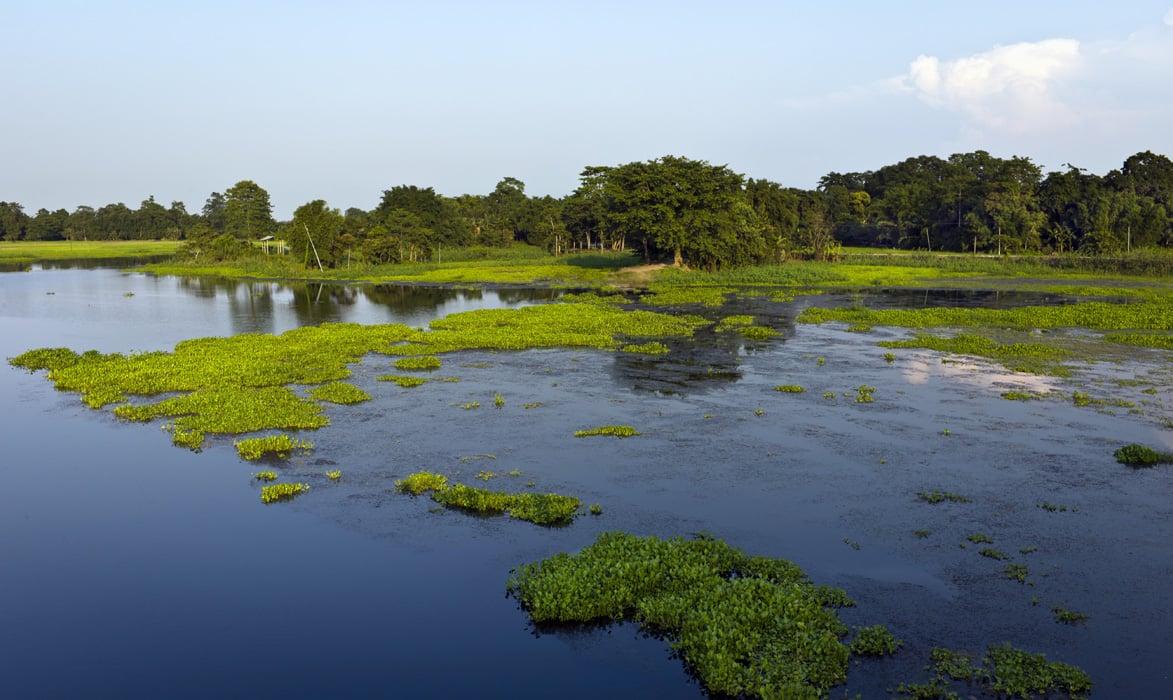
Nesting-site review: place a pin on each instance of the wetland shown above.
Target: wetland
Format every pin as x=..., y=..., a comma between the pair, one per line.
x=863, y=442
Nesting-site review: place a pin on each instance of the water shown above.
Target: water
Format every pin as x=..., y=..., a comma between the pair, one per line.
x=134, y=568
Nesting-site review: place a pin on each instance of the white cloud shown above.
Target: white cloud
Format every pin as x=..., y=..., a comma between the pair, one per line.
x=1008, y=88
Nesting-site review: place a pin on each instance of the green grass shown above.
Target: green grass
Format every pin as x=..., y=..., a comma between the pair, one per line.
x=32, y=251
x=744, y=625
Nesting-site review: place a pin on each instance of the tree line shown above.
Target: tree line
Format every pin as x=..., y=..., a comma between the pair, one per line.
x=678, y=209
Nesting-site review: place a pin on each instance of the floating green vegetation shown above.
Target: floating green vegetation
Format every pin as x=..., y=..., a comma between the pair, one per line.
x=1020, y=396
x=935, y=497
x=1069, y=617
x=733, y=322
x=482, y=455
x=334, y=474
x=267, y=475
x=829, y=395
x=1034, y=358
x=1142, y=315
x=402, y=380
x=227, y=385
x=596, y=509
x=339, y=393
x=468, y=406
x=420, y=362
x=864, y=394
x=1162, y=342
x=1016, y=572
x=759, y=412
x=992, y=553
x=546, y=326
x=650, y=348
x=789, y=389
x=538, y=508
x=979, y=538
x=664, y=295
x=874, y=640
x=282, y=492
x=532, y=404
x=279, y=445
x=821, y=361
x=498, y=399
x=1029, y=549
x=889, y=357
x=1053, y=507
x=760, y=333
x=749, y=626
x=620, y=431
x=852, y=543
x=1004, y=670
x=921, y=534
x=513, y=472
x=485, y=475
x=859, y=328
x=1140, y=456
x=421, y=482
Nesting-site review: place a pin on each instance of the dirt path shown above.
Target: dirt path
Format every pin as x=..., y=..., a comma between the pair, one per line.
x=638, y=276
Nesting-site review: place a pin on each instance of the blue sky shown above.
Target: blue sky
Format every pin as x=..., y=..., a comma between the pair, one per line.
x=117, y=101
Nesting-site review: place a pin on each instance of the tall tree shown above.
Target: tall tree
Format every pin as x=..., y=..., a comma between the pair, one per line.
x=314, y=234
x=12, y=221
x=248, y=215
x=213, y=212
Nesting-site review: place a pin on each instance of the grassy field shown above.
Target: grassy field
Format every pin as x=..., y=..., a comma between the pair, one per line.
x=32, y=251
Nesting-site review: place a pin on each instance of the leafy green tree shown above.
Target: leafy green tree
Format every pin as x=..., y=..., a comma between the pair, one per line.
x=80, y=223
x=248, y=215
x=685, y=208
x=506, y=211
x=12, y=221
x=47, y=225
x=213, y=212
x=314, y=234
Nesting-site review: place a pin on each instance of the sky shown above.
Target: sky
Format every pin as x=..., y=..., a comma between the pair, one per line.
x=118, y=101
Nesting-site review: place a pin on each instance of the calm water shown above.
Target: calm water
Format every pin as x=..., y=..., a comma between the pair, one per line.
x=132, y=568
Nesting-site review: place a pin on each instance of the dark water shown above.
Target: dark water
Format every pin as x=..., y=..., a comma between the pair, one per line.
x=131, y=568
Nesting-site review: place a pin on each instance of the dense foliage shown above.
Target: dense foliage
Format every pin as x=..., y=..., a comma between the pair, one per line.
x=676, y=209
x=745, y=625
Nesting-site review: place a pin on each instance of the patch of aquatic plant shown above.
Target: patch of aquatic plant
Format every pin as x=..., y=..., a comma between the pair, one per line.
x=874, y=640
x=279, y=445
x=746, y=626
x=1163, y=342
x=992, y=553
x=733, y=322
x=339, y=393
x=596, y=509
x=1016, y=572
x=760, y=333
x=532, y=404
x=1053, y=507
x=1020, y=396
x=267, y=475
x=664, y=295
x=889, y=357
x=935, y=497
x=282, y=492
x=864, y=394
x=829, y=395
x=468, y=406
x=1023, y=357
x=485, y=475
x=1029, y=549
x=422, y=482
x=789, y=389
x=420, y=362
x=538, y=508
x=979, y=538
x=650, y=348
x=1069, y=617
x=334, y=474
x=1140, y=456
x=1144, y=315
x=859, y=328
x=852, y=543
x=498, y=399
x=921, y=534
x=402, y=380
x=473, y=458
x=228, y=385
x=1004, y=671
x=546, y=326
x=620, y=431
x=936, y=689
x=231, y=410
x=191, y=439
